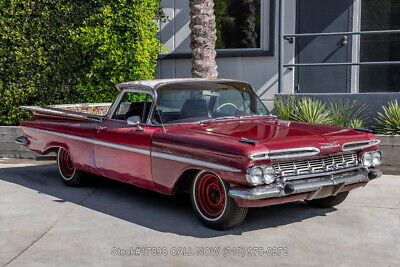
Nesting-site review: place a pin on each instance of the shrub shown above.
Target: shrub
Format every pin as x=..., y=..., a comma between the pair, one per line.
x=312, y=111
x=346, y=113
x=356, y=123
x=389, y=120
x=284, y=107
x=39, y=62
x=121, y=44
x=55, y=51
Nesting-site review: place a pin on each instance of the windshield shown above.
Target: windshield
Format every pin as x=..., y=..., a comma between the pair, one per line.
x=206, y=100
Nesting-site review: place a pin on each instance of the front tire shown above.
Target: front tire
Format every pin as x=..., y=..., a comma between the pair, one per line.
x=210, y=200
x=328, y=202
x=68, y=173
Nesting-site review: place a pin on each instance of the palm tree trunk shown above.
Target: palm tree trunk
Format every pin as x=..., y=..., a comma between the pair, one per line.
x=203, y=38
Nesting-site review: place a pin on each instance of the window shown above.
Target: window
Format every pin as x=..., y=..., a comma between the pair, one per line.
x=197, y=101
x=380, y=15
x=238, y=23
x=133, y=104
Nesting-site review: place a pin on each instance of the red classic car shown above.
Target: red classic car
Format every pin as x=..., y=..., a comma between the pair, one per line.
x=213, y=138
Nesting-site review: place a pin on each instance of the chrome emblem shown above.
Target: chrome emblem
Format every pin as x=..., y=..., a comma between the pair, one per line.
x=329, y=145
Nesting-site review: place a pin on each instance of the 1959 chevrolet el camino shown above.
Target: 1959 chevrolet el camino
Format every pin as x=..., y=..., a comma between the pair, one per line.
x=213, y=138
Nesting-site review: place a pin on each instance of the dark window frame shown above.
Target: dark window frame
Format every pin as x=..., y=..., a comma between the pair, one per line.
x=241, y=52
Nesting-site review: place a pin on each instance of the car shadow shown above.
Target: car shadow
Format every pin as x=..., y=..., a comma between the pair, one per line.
x=147, y=208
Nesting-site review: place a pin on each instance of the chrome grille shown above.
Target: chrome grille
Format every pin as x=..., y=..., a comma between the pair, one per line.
x=289, y=168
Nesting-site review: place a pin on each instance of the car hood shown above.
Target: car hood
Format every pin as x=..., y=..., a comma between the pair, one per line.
x=277, y=134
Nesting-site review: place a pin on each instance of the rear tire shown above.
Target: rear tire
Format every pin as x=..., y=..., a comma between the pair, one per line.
x=213, y=206
x=68, y=173
x=328, y=202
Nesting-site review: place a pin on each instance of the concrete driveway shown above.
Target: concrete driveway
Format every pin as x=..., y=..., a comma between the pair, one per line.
x=43, y=222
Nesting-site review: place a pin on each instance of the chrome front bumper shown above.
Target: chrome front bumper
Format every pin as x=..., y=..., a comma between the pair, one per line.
x=317, y=184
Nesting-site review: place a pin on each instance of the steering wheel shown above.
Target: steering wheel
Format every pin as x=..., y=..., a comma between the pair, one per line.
x=226, y=104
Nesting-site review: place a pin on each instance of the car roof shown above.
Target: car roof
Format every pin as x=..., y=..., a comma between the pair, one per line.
x=157, y=82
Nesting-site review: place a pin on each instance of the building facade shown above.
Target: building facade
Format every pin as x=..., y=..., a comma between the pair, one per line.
x=248, y=46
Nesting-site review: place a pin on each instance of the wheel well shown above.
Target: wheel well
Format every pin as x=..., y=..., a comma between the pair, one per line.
x=184, y=181
x=51, y=149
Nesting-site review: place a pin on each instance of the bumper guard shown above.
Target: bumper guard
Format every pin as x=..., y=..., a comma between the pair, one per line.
x=318, y=184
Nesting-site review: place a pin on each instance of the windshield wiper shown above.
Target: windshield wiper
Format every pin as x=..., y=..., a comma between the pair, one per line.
x=254, y=116
x=219, y=118
x=235, y=117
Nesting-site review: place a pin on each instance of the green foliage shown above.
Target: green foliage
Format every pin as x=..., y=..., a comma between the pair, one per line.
x=59, y=51
x=121, y=37
x=389, y=120
x=346, y=113
x=356, y=123
x=312, y=111
x=343, y=114
x=284, y=107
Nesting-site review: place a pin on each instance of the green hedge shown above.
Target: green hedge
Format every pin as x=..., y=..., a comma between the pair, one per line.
x=55, y=51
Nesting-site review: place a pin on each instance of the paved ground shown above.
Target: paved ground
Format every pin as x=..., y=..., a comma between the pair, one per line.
x=44, y=222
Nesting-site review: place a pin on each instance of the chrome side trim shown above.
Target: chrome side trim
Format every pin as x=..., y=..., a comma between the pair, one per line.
x=142, y=151
x=72, y=137
x=196, y=162
x=286, y=153
x=96, y=142
x=349, y=146
x=301, y=186
x=123, y=147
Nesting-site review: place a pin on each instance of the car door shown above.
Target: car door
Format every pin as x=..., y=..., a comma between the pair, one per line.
x=121, y=150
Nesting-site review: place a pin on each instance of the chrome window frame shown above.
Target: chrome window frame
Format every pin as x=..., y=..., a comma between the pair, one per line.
x=155, y=89
x=134, y=89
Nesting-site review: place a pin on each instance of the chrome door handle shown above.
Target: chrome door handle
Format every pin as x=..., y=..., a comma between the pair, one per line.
x=99, y=128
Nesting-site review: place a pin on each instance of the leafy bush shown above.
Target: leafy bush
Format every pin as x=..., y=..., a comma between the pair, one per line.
x=55, y=51
x=284, y=107
x=389, y=120
x=312, y=111
x=356, y=123
x=346, y=113
x=120, y=40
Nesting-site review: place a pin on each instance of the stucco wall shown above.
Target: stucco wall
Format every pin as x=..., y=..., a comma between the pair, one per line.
x=390, y=147
x=8, y=147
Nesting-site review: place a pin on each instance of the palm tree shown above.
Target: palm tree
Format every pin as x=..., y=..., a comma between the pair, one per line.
x=203, y=38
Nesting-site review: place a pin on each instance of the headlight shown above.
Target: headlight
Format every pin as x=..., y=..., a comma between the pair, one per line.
x=269, y=174
x=366, y=159
x=255, y=176
x=376, y=158
x=260, y=175
x=371, y=159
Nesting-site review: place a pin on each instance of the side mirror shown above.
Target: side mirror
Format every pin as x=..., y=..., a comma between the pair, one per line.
x=135, y=120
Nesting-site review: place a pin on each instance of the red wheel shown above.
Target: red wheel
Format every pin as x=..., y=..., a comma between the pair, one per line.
x=211, y=195
x=65, y=163
x=210, y=200
x=69, y=174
